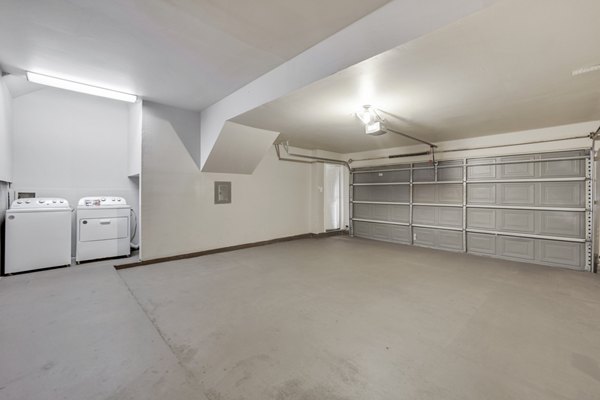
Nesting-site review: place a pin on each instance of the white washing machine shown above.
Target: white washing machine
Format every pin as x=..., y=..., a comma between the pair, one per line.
x=103, y=228
x=38, y=234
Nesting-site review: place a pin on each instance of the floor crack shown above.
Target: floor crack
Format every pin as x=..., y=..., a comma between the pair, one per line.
x=191, y=378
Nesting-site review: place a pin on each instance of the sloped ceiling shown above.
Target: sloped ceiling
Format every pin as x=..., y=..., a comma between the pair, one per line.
x=239, y=149
x=184, y=53
x=506, y=68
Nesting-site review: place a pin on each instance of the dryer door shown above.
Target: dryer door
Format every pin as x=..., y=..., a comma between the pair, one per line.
x=93, y=229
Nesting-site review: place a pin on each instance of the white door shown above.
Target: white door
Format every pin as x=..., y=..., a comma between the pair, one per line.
x=332, y=192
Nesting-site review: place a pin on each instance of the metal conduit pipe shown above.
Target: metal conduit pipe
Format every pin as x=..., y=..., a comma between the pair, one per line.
x=290, y=159
x=410, y=137
x=473, y=148
x=317, y=159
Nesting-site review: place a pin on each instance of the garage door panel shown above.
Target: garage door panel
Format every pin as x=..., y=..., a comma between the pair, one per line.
x=449, y=193
x=382, y=177
x=427, y=174
x=503, y=213
x=450, y=217
x=361, y=229
x=381, y=231
x=563, y=254
x=562, y=194
x=400, y=234
x=380, y=212
x=559, y=169
x=481, y=171
x=566, y=168
x=450, y=240
x=479, y=243
x=399, y=213
x=516, y=171
x=425, y=215
x=396, y=193
x=450, y=174
x=481, y=193
x=424, y=194
x=516, y=248
x=561, y=223
x=481, y=218
x=424, y=237
x=522, y=221
x=364, y=211
x=521, y=194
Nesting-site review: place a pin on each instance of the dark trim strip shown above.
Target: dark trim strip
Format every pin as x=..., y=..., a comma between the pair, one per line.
x=230, y=248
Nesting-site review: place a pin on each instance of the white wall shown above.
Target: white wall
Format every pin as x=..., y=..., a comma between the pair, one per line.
x=5, y=154
x=178, y=214
x=134, y=142
x=71, y=145
x=5, y=133
x=316, y=195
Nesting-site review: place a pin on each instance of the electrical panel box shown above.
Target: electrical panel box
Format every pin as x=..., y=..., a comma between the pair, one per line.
x=222, y=192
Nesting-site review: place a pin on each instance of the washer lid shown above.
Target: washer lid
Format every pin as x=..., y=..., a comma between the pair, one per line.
x=40, y=202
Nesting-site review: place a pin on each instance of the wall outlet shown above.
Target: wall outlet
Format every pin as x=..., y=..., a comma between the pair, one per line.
x=414, y=236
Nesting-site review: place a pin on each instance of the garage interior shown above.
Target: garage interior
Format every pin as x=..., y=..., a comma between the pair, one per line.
x=299, y=200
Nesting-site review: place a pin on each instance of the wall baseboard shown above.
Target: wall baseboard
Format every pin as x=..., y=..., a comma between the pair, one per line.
x=231, y=248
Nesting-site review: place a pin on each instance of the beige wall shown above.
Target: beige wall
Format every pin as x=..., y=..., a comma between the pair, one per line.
x=178, y=214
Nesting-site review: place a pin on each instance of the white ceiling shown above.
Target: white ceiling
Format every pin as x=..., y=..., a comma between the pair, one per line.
x=506, y=68
x=185, y=53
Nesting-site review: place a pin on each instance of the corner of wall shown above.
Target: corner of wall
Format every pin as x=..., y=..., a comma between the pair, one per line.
x=6, y=130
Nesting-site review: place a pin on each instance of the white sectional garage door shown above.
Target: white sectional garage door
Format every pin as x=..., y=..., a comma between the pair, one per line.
x=533, y=208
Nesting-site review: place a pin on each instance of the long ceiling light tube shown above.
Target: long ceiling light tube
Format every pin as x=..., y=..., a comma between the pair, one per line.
x=80, y=87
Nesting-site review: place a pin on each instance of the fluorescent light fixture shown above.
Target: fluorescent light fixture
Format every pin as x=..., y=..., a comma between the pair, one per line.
x=80, y=87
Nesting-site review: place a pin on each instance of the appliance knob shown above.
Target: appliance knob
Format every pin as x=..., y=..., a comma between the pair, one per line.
x=84, y=222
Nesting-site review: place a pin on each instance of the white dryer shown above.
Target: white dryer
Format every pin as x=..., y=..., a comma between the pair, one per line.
x=38, y=234
x=103, y=228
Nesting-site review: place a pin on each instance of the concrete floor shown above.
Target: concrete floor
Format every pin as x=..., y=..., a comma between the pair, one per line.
x=334, y=318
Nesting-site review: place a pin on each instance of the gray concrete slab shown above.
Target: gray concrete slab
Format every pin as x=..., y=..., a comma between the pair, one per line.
x=334, y=318
x=78, y=333
x=343, y=318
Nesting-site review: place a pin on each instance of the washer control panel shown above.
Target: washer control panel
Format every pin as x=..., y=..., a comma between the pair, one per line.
x=40, y=202
x=105, y=201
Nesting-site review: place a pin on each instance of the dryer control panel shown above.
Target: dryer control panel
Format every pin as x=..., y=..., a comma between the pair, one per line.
x=99, y=202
